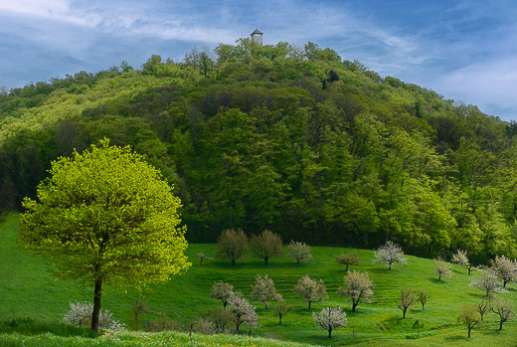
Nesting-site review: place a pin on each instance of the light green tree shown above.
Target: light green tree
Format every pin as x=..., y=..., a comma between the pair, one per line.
x=105, y=215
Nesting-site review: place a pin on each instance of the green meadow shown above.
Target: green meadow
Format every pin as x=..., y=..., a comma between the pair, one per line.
x=31, y=293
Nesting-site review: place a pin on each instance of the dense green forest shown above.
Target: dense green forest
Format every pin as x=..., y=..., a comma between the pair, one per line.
x=300, y=141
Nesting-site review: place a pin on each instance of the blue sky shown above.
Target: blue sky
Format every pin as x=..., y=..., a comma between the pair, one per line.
x=464, y=49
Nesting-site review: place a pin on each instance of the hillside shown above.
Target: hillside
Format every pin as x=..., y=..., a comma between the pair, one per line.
x=315, y=147
x=30, y=291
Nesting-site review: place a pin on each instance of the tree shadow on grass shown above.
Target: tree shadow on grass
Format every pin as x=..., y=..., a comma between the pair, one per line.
x=457, y=338
x=28, y=326
x=437, y=281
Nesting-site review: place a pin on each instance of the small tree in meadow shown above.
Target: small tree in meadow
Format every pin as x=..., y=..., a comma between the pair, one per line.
x=390, y=254
x=202, y=257
x=264, y=290
x=505, y=268
x=243, y=312
x=488, y=282
x=232, y=245
x=299, y=251
x=358, y=287
x=442, y=269
x=407, y=299
x=310, y=290
x=483, y=307
x=266, y=245
x=461, y=258
x=423, y=297
x=469, y=316
x=347, y=260
x=330, y=318
x=222, y=291
x=281, y=309
x=504, y=310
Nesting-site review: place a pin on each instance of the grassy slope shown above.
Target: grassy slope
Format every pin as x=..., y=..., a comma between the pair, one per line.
x=29, y=290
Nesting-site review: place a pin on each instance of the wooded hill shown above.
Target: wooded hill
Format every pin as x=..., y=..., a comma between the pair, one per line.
x=300, y=141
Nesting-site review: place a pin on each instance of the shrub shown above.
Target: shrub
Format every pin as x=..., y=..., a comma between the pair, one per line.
x=347, y=260
x=390, y=254
x=222, y=291
x=266, y=245
x=232, y=245
x=299, y=251
x=221, y=318
x=310, y=290
x=163, y=323
x=358, y=287
x=203, y=326
x=264, y=290
x=330, y=318
x=80, y=314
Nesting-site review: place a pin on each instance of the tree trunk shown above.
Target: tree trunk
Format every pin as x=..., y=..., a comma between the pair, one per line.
x=389, y=266
x=330, y=332
x=469, y=328
x=266, y=260
x=468, y=269
x=238, y=325
x=233, y=261
x=404, y=310
x=97, y=294
x=279, y=319
x=505, y=282
x=346, y=269
x=309, y=305
x=501, y=325
x=354, y=306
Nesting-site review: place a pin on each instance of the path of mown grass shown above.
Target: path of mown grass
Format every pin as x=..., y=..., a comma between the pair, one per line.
x=28, y=289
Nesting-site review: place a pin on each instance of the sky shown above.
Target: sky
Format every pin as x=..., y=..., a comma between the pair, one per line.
x=466, y=50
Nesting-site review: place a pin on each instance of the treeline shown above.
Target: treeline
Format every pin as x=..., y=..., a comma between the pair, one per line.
x=299, y=141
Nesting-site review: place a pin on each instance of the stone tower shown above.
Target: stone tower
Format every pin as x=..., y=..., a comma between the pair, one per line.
x=256, y=36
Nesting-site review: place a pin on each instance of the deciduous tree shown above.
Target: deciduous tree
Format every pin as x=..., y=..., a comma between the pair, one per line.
x=330, y=318
x=232, y=244
x=299, y=251
x=264, y=290
x=243, y=311
x=266, y=245
x=222, y=291
x=504, y=310
x=505, y=268
x=106, y=215
x=469, y=316
x=390, y=254
x=407, y=299
x=347, y=260
x=310, y=290
x=461, y=258
x=358, y=287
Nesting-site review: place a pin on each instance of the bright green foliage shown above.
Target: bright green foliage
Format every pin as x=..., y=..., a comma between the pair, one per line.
x=107, y=215
x=299, y=141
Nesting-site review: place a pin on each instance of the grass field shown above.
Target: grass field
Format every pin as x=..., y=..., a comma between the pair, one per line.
x=29, y=289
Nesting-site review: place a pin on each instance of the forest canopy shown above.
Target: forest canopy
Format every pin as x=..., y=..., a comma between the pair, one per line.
x=298, y=141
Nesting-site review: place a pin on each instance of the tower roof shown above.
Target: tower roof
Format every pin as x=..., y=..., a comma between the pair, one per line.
x=257, y=32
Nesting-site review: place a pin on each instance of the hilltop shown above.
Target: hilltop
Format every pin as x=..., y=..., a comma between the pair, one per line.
x=302, y=141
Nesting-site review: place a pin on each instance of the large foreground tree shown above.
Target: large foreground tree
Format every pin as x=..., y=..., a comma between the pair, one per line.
x=105, y=215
